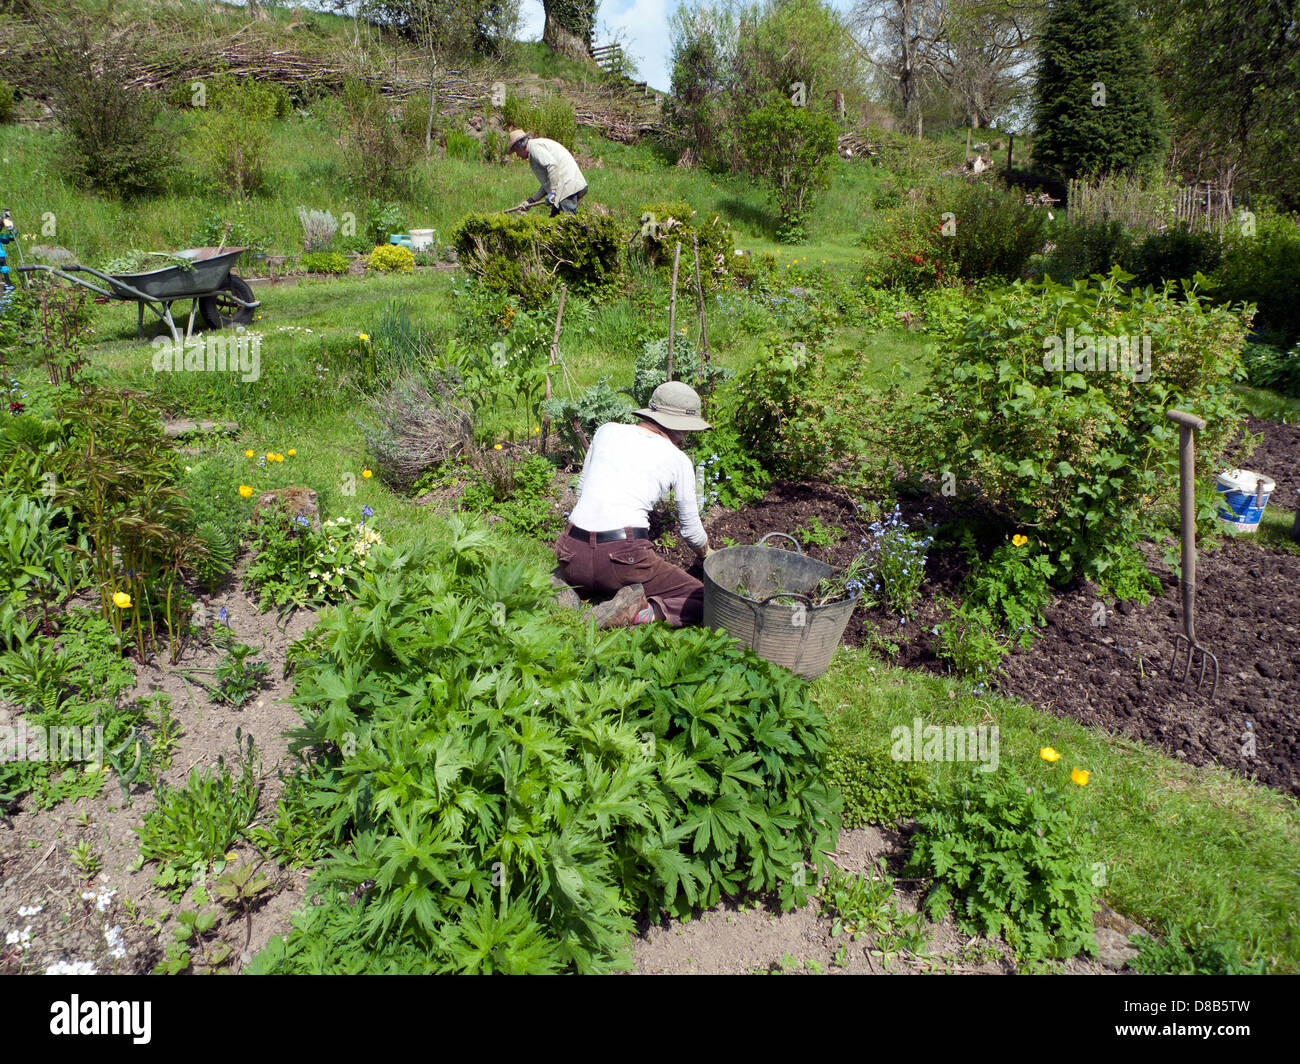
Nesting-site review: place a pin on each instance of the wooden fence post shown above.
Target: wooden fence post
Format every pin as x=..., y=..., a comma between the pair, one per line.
x=1011, y=143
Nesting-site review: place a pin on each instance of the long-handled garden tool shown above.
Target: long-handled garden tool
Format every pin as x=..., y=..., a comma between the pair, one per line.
x=1188, y=426
x=522, y=207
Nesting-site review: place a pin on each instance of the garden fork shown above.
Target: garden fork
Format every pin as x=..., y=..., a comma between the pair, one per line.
x=1188, y=426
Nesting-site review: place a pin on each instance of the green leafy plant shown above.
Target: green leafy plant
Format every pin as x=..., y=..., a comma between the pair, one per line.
x=875, y=788
x=237, y=677
x=1010, y=859
x=528, y=256
x=970, y=643
x=1012, y=586
x=331, y=262
x=1076, y=456
x=391, y=258
x=819, y=534
x=792, y=149
x=190, y=829
x=520, y=491
x=512, y=814
x=861, y=904
x=592, y=408
x=1202, y=955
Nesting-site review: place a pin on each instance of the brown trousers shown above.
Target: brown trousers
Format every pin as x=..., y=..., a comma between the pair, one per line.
x=606, y=567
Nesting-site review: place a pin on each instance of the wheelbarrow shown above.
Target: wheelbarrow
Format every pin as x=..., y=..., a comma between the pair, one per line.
x=205, y=279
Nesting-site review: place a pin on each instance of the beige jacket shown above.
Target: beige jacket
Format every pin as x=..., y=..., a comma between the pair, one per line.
x=556, y=169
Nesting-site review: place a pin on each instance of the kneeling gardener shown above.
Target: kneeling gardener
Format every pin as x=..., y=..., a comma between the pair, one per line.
x=607, y=548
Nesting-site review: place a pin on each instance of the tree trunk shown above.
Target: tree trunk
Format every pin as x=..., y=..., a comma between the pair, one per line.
x=562, y=40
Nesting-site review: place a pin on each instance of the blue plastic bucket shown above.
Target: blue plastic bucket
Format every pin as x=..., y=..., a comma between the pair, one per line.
x=1241, y=503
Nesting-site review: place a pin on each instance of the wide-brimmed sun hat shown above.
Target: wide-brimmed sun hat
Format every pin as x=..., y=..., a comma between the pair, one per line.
x=513, y=138
x=675, y=405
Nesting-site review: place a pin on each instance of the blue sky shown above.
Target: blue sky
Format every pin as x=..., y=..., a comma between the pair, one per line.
x=644, y=24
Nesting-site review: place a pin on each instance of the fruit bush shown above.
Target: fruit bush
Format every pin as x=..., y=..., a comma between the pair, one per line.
x=1079, y=457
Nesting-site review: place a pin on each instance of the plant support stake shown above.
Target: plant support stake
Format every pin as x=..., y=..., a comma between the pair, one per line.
x=672, y=308
x=699, y=299
x=550, y=361
x=1188, y=426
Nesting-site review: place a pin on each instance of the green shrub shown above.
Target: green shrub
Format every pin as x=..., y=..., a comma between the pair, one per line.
x=117, y=138
x=1270, y=367
x=793, y=150
x=6, y=101
x=379, y=157
x=551, y=117
x=1264, y=269
x=663, y=225
x=1084, y=250
x=391, y=258
x=331, y=262
x=231, y=229
x=528, y=255
x=1075, y=454
x=781, y=420
x=564, y=778
x=235, y=133
x=1174, y=255
x=972, y=230
x=520, y=492
x=726, y=474
x=1010, y=859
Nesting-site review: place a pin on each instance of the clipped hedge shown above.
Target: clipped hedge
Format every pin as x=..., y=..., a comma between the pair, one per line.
x=662, y=225
x=529, y=256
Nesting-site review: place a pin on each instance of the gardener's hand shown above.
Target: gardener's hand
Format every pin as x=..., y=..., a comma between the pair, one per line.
x=524, y=205
x=705, y=552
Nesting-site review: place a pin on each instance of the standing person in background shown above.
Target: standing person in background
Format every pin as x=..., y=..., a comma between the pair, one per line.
x=607, y=548
x=561, y=182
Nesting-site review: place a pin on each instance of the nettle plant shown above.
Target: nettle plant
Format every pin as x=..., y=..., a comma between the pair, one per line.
x=1077, y=455
x=502, y=792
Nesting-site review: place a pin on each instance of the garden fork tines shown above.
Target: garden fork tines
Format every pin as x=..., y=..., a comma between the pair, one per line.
x=1189, y=425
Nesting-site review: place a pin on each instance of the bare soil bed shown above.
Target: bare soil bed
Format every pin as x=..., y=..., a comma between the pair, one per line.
x=1113, y=677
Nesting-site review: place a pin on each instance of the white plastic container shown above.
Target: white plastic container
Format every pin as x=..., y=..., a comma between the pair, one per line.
x=1242, y=504
x=422, y=239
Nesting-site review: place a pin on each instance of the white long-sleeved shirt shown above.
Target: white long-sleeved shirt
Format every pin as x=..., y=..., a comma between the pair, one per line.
x=627, y=471
x=555, y=169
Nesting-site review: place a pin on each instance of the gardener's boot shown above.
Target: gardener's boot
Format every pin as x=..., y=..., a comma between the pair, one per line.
x=628, y=607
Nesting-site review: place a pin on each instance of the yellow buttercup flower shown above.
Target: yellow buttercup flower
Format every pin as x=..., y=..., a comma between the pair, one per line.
x=496, y=446
x=248, y=454
x=279, y=457
x=245, y=491
x=1019, y=541
x=122, y=600
x=292, y=452
x=1048, y=754
x=366, y=474
x=1080, y=776
x=363, y=336
x=270, y=456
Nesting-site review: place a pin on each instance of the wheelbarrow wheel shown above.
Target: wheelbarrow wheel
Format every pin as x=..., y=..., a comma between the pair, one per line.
x=221, y=311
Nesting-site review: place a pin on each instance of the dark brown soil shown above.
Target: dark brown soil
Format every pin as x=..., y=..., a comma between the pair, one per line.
x=1277, y=456
x=1113, y=677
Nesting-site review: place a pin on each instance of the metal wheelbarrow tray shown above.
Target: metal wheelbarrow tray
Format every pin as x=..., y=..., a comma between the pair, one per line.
x=223, y=298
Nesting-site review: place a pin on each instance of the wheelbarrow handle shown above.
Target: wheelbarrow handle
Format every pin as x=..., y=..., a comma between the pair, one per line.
x=783, y=535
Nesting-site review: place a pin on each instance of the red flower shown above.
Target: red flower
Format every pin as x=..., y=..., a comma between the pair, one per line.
x=916, y=259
